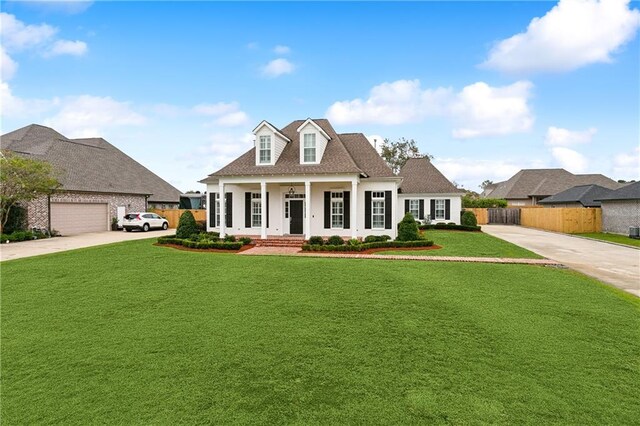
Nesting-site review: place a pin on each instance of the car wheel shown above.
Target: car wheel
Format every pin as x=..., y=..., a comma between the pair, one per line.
x=165, y=226
x=145, y=227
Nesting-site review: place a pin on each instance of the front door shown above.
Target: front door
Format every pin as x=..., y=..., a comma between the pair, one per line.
x=295, y=213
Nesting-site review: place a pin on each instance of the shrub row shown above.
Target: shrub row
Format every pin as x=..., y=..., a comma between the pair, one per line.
x=367, y=246
x=483, y=203
x=222, y=245
x=336, y=240
x=452, y=226
x=20, y=236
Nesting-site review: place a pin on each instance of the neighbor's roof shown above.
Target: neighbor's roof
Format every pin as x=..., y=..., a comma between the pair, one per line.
x=628, y=192
x=90, y=165
x=545, y=182
x=345, y=153
x=583, y=194
x=420, y=176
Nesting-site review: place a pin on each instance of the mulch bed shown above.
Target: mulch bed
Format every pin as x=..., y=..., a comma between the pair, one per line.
x=375, y=250
x=211, y=250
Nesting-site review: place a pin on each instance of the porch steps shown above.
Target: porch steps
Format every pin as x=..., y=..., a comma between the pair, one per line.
x=280, y=242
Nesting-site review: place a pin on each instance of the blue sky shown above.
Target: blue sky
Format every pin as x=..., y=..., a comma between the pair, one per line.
x=486, y=87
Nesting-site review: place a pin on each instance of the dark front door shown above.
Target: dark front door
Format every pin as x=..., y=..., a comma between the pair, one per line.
x=295, y=213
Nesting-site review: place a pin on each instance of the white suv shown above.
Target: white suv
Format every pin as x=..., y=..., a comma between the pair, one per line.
x=144, y=221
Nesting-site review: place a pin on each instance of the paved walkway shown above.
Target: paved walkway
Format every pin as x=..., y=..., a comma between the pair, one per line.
x=288, y=251
x=54, y=245
x=613, y=264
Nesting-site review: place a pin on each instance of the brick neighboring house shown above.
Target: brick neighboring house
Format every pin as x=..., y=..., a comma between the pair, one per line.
x=99, y=182
x=529, y=186
x=621, y=209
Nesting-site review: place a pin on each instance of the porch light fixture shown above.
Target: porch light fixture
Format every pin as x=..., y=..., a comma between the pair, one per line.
x=292, y=190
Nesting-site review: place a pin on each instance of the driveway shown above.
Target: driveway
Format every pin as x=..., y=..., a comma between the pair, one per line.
x=54, y=245
x=613, y=264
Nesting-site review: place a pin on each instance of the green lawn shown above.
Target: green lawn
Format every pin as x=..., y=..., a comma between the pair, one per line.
x=136, y=334
x=468, y=244
x=620, y=239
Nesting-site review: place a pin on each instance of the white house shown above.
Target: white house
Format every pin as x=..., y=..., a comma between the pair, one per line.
x=305, y=179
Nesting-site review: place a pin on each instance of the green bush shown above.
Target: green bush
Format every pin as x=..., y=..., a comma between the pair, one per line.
x=245, y=240
x=376, y=238
x=366, y=246
x=468, y=218
x=453, y=227
x=214, y=235
x=354, y=242
x=408, y=228
x=335, y=240
x=17, y=220
x=17, y=236
x=316, y=241
x=230, y=238
x=186, y=225
x=201, y=225
x=221, y=245
x=483, y=203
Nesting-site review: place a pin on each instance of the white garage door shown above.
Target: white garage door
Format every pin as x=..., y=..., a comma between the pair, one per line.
x=78, y=218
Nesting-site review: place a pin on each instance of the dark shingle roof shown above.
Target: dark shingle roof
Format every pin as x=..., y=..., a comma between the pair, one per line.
x=365, y=155
x=628, y=192
x=583, y=194
x=420, y=176
x=545, y=182
x=91, y=164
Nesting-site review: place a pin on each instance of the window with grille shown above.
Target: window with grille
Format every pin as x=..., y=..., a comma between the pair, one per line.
x=414, y=208
x=256, y=210
x=377, y=210
x=265, y=149
x=309, y=145
x=217, y=201
x=337, y=209
x=440, y=209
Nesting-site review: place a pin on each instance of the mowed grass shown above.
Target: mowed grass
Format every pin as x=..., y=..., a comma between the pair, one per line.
x=136, y=334
x=468, y=244
x=615, y=238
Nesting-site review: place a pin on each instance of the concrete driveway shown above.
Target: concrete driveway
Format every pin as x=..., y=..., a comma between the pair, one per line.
x=53, y=245
x=613, y=264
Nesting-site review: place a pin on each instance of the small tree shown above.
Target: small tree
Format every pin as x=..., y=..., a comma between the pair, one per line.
x=397, y=153
x=468, y=218
x=186, y=225
x=408, y=229
x=22, y=180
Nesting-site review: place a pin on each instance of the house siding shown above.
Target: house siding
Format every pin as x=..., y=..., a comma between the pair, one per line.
x=456, y=206
x=619, y=215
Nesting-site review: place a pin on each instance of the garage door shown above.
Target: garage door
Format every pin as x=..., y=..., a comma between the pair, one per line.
x=78, y=218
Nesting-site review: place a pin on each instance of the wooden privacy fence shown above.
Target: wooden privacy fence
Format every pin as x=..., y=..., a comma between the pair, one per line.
x=567, y=220
x=481, y=215
x=173, y=215
x=503, y=216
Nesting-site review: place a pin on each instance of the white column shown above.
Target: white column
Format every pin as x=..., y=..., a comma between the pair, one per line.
x=263, y=209
x=223, y=210
x=354, y=209
x=307, y=204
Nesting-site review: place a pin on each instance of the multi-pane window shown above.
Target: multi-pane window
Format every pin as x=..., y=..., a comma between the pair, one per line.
x=309, y=145
x=439, y=209
x=337, y=210
x=265, y=149
x=217, y=204
x=256, y=210
x=377, y=210
x=414, y=208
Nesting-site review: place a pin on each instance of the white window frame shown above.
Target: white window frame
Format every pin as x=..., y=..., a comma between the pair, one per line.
x=256, y=210
x=414, y=208
x=264, y=154
x=337, y=210
x=310, y=146
x=377, y=210
x=216, y=198
x=440, y=207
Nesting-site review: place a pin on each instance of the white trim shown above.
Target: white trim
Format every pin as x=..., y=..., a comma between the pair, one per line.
x=270, y=127
x=223, y=207
x=310, y=121
x=307, y=204
x=296, y=179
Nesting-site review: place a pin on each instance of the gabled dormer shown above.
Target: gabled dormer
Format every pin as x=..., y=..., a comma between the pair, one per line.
x=313, y=142
x=269, y=143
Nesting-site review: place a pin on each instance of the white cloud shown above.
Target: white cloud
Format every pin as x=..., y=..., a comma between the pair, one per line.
x=477, y=110
x=557, y=136
x=237, y=118
x=16, y=35
x=282, y=50
x=226, y=114
x=89, y=116
x=278, y=67
x=15, y=107
x=223, y=147
x=570, y=159
x=573, y=34
x=627, y=165
x=8, y=66
x=67, y=47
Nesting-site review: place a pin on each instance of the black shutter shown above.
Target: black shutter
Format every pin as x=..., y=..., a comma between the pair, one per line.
x=228, y=207
x=447, y=209
x=367, y=209
x=267, y=209
x=421, y=211
x=247, y=210
x=432, y=212
x=327, y=209
x=387, y=209
x=346, y=205
x=406, y=206
x=212, y=209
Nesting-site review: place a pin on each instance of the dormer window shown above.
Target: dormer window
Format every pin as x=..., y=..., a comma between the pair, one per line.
x=265, y=149
x=309, y=145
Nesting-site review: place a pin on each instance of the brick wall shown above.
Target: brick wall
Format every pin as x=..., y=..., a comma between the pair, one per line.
x=618, y=216
x=38, y=210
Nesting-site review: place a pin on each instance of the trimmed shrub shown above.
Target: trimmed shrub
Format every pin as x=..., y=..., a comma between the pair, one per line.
x=483, y=203
x=245, y=240
x=316, y=241
x=335, y=240
x=354, y=242
x=408, y=229
x=186, y=225
x=230, y=238
x=376, y=238
x=17, y=236
x=453, y=227
x=221, y=245
x=468, y=218
x=201, y=225
x=366, y=246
